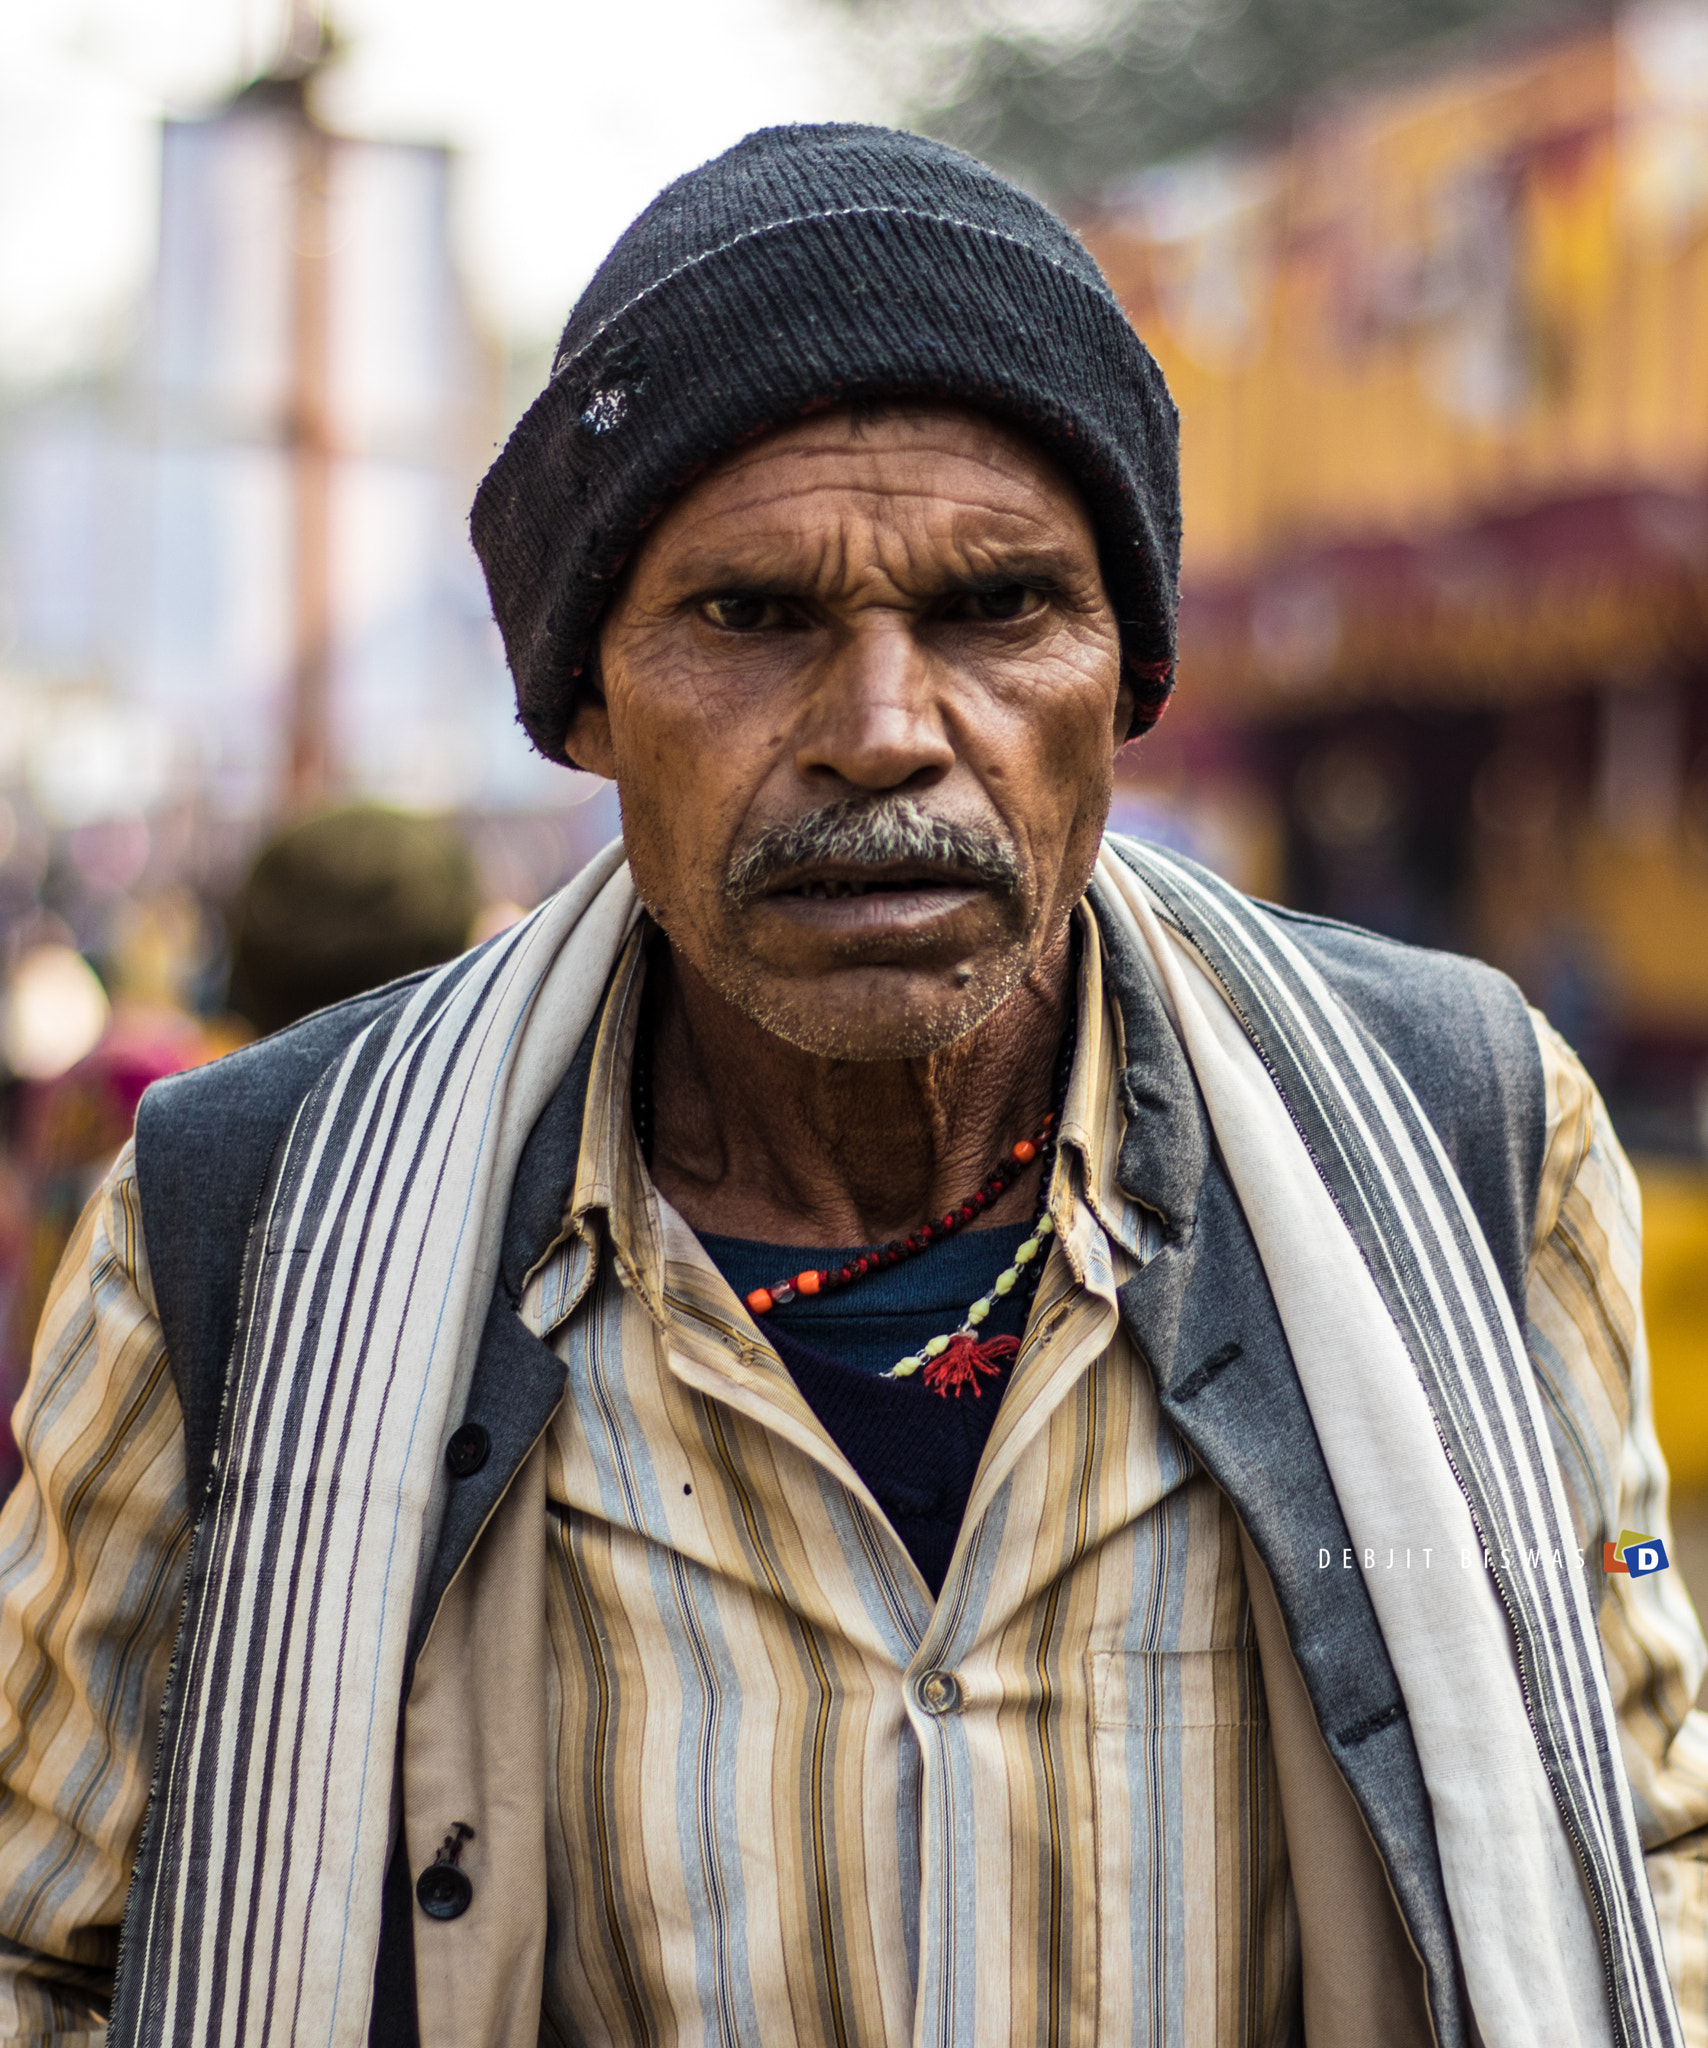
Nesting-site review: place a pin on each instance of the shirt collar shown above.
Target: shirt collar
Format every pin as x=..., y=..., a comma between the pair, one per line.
x=613, y=1207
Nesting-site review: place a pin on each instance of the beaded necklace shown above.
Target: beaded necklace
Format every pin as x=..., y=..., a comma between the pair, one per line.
x=956, y=1359
x=826, y=1279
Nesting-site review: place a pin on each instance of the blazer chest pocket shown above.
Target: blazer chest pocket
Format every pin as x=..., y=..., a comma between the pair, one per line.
x=1194, y=1941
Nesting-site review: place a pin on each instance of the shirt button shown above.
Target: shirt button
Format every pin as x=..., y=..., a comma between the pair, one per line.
x=467, y=1450
x=940, y=1692
x=444, y=1891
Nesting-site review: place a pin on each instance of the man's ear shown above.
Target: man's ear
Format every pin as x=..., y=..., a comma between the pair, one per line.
x=587, y=741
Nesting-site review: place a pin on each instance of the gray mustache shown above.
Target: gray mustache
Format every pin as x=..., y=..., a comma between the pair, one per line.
x=871, y=832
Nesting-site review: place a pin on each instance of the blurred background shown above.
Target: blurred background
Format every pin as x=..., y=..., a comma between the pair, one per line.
x=1428, y=277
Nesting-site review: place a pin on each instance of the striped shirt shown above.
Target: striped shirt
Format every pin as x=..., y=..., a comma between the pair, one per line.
x=789, y=1797
x=863, y=1790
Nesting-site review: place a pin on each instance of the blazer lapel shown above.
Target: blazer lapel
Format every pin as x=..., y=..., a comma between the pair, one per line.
x=1202, y=1314
x=518, y=1380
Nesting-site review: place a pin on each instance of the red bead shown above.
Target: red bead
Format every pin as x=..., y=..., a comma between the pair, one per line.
x=967, y=1213
x=847, y=1272
x=948, y=1222
x=980, y=1199
x=925, y=1233
x=1025, y=1152
x=759, y=1301
x=808, y=1283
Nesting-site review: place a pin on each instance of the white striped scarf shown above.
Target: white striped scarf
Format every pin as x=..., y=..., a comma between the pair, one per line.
x=254, y=1916
x=1397, y=1196
x=255, y=1908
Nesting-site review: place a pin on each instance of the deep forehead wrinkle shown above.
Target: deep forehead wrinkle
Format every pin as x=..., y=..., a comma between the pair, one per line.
x=809, y=528
x=829, y=558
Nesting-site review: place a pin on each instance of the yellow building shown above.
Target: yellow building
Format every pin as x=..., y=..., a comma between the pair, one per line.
x=1442, y=365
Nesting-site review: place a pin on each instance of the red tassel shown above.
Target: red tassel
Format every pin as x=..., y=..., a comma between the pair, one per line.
x=960, y=1365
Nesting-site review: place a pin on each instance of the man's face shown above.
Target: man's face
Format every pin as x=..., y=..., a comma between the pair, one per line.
x=861, y=691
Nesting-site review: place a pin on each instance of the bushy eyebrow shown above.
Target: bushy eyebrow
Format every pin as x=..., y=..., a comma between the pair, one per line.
x=1031, y=568
x=1028, y=574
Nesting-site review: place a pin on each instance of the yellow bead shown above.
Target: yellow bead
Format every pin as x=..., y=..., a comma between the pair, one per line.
x=1005, y=1281
x=936, y=1347
x=1027, y=1252
x=979, y=1310
x=904, y=1366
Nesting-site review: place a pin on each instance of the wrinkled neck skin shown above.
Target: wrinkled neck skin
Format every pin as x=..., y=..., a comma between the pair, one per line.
x=758, y=1139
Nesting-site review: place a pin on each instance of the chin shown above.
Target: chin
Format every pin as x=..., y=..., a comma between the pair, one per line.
x=899, y=1022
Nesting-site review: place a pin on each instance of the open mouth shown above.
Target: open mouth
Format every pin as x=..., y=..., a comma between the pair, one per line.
x=842, y=886
x=833, y=888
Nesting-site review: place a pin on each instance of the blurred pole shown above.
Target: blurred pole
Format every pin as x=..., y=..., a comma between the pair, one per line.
x=310, y=431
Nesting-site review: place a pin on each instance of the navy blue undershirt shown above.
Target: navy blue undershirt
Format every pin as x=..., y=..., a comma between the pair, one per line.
x=916, y=1450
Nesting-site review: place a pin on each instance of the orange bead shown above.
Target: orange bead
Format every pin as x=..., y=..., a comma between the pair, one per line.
x=806, y=1283
x=1025, y=1152
x=759, y=1301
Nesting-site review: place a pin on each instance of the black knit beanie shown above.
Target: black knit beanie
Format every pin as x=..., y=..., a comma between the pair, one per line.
x=803, y=268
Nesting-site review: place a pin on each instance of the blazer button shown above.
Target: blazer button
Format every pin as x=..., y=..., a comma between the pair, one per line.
x=444, y=1891
x=467, y=1450
x=940, y=1692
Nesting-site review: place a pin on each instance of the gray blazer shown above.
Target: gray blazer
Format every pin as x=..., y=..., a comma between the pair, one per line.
x=1201, y=1312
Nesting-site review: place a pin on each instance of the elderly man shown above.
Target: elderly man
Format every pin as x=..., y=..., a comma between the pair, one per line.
x=892, y=1420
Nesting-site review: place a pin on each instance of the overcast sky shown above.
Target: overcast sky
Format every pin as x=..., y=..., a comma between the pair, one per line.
x=569, y=115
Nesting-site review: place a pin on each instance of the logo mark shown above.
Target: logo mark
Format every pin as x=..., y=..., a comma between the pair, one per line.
x=1637, y=1555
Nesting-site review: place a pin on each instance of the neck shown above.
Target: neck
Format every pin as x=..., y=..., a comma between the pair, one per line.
x=755, y=1138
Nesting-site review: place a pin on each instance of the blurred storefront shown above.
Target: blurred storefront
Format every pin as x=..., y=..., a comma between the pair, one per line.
x=1442, y=366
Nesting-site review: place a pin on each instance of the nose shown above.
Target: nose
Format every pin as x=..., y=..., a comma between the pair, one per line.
x=874, y=721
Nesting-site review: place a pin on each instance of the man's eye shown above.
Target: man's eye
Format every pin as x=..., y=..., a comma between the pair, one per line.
x=740, y=613
x=1004, y=601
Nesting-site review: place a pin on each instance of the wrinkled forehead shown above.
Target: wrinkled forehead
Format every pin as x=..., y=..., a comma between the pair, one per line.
x=880, y=486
